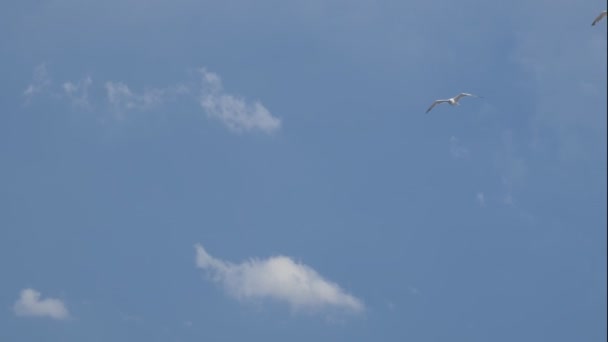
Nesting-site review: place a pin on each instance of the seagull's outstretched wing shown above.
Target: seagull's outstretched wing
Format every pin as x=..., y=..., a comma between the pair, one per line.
x=599, y=17
x=436, y=103
x=461, y=95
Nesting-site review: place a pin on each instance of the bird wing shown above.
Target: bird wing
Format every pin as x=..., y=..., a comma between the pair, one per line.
x=436, y=103
x=461, y=95
x=599, y=17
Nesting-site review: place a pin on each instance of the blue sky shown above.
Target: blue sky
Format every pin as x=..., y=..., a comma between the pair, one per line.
x=237, y=170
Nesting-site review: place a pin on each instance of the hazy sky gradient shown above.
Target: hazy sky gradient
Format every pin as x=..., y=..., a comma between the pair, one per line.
x=289, y=139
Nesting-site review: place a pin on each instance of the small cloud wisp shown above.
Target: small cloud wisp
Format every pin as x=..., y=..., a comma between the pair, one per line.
x=29, y=304
x=234, y=112
x=78, y=93
x=40, y=82
x=457, y=151
x=122, y=98
x=481, y=199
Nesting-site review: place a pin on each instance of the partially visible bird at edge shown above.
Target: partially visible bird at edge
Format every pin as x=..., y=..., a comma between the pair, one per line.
x=599, y=17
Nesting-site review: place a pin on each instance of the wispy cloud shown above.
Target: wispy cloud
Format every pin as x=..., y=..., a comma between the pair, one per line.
x=122, y=98
x=78, y=93
x=278, y=278
x=234, y=112
x=512, y=167
x=457, y=151
x=29, y=304
x=481, y=199
x=39, y=83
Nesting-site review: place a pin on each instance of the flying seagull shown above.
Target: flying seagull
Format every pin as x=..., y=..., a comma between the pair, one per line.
x=453, y=101
x=599, y=17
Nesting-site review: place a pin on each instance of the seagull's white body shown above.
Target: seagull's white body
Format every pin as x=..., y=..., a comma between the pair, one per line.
x=599, y=17
x=452, y=101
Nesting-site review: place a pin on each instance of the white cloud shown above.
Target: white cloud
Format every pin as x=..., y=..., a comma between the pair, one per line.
x=234, y=112
x=278, y=278
x=30, y=305
x=457, y=151
x=40, y=82
x=78, y=92
x=123, y=99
